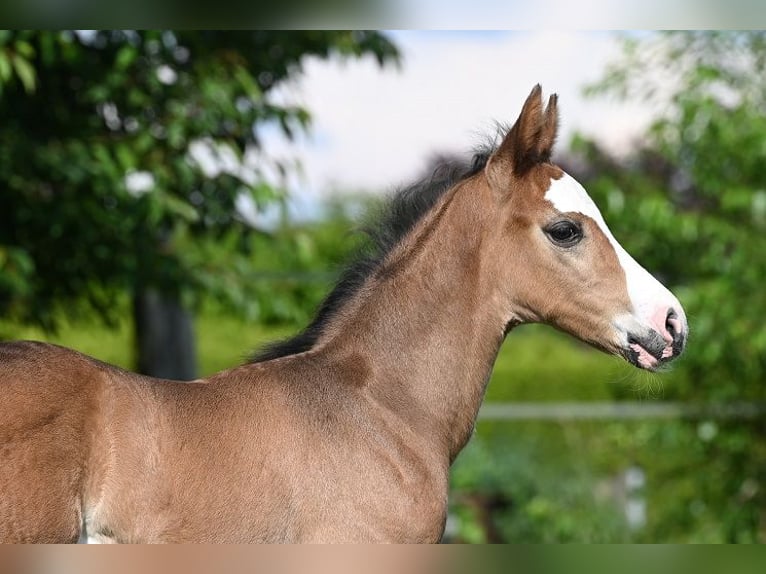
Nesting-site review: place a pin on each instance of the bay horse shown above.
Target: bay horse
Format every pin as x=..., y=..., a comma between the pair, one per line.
x=346, y=432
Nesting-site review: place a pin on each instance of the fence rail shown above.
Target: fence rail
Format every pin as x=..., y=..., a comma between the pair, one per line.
x=619, y=411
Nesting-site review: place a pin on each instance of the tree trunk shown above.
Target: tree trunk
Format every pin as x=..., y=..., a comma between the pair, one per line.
x=164, y=337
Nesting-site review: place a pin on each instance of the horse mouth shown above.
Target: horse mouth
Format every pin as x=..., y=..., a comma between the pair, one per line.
x=649, y=353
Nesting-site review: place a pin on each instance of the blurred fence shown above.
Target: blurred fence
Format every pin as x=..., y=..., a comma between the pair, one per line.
x=619, y=411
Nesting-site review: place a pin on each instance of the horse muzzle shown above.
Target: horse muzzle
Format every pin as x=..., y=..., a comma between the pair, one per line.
x=651, y=346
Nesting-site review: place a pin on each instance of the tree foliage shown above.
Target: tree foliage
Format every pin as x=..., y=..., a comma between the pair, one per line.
x=101, y=180
x=691, y=205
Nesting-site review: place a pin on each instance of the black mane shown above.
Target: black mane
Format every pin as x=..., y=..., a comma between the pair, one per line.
x=402, y=211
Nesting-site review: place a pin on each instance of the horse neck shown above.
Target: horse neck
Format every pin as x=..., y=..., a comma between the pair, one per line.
x=428, y=322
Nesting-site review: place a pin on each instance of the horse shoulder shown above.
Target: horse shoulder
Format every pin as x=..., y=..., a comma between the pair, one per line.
x=366, y=473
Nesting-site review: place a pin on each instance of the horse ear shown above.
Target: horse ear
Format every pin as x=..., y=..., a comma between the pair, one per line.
x=550, y=129
x=530, y=141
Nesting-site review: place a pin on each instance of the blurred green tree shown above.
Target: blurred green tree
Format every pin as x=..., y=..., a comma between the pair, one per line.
x=696, y=191
x=121, y=168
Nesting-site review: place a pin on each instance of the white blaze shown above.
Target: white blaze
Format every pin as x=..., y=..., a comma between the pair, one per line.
x=646, y=293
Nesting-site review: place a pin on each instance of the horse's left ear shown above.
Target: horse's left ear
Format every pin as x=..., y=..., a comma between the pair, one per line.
x=529, y=142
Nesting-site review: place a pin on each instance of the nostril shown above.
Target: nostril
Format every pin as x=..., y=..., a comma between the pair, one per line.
x=671, y=322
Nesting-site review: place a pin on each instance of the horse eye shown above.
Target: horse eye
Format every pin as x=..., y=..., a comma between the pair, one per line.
x=564, y=233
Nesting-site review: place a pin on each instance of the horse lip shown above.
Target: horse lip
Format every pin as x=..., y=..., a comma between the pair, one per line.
x=631, y=355
x=653, y=345
x=656, y=350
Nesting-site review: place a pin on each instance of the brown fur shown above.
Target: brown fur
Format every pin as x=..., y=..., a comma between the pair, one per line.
x=349, y=441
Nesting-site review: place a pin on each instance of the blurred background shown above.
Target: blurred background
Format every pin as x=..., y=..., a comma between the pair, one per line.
x=171, y=200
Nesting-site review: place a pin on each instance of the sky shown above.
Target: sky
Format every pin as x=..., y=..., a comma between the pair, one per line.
x=374, y=129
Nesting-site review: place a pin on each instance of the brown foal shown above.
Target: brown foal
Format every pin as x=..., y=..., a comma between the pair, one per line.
x=345, y=433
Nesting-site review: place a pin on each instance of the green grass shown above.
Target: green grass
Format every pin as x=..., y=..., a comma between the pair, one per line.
x=537, y=363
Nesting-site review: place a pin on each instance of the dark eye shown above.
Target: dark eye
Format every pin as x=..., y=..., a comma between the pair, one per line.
x=564, y=233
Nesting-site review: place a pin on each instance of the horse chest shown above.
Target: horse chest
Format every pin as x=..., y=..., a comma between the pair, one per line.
x=388, y=495
x=382, y=515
